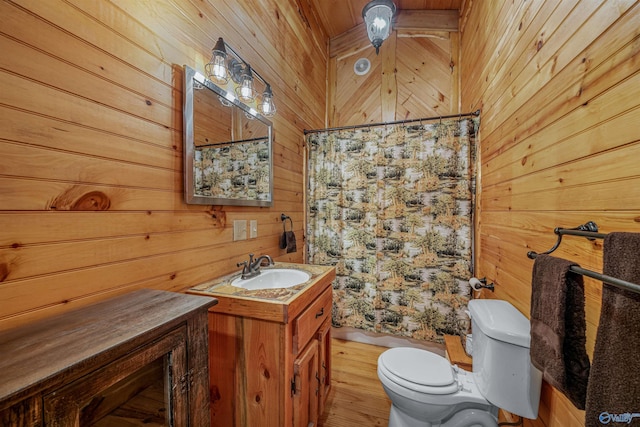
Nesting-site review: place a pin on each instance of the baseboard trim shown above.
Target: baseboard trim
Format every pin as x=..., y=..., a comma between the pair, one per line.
x=384, y=340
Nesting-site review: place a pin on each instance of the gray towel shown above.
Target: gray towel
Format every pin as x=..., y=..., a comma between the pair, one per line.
x=558, y=327
x=613, y=396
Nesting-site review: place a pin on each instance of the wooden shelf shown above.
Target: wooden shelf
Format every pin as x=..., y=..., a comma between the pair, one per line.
x=456, y=354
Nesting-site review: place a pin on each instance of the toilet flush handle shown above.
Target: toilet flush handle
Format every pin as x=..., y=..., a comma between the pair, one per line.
x=461, y=380
x=456, y=371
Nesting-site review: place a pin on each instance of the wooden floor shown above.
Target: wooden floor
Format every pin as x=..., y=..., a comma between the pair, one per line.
x=356, y=398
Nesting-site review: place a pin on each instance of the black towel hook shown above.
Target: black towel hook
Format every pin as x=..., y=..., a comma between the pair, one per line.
x=283, y=218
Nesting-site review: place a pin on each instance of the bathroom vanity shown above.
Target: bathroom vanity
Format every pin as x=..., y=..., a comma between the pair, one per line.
x=137, y=358
x=269, y=350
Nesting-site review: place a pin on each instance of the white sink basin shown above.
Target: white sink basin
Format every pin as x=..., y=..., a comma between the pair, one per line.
x=273, y=278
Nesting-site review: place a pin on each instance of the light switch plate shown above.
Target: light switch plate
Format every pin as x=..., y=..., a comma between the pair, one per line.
x=253, y=229
x=240, y=229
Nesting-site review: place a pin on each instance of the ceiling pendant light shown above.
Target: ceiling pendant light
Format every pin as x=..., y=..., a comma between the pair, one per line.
x=378, y=15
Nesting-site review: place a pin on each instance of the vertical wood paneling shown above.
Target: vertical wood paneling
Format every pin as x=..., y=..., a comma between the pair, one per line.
x=411, y=78
x=389, y=86
x=91, y=200
x=558, y=84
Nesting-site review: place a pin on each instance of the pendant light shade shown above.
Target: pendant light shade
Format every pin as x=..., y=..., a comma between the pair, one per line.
x=216, y=69
x=266, y=106
x=378, y=15
x=245, y=91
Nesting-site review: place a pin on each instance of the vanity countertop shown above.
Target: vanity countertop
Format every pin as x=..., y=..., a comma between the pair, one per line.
x=269, y=304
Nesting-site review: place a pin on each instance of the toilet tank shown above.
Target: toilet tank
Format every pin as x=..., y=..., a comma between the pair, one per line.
x=501, y=363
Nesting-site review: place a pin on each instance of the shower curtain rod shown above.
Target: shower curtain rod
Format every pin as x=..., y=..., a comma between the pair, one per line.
x=368, y=125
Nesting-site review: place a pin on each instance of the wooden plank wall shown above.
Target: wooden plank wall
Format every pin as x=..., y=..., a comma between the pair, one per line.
x=559, y=88
x=415, y=75
x=91, y=201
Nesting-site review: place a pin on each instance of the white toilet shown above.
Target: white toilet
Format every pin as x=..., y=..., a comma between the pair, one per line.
x=426, y=391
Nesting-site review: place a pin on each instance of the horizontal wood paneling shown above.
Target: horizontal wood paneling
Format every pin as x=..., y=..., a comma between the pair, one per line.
x=42, y=131
x=430, y=20
x=558, y=84
x=24, y=94
x=91, y=201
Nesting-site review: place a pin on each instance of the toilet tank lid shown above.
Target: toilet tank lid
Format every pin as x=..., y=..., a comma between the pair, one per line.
x=501, y=321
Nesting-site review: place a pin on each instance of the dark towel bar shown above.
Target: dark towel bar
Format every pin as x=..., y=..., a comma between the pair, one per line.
x=590, y=231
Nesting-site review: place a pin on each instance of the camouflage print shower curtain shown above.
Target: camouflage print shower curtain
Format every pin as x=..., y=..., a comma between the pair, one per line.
x=391, y=208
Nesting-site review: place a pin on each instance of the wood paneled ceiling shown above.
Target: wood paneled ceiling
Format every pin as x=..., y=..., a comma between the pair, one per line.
x=339, y=16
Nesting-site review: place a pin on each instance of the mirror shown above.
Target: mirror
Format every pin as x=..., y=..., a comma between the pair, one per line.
x=227, y=147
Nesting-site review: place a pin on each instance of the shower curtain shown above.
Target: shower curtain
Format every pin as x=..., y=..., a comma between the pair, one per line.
x=391, y=208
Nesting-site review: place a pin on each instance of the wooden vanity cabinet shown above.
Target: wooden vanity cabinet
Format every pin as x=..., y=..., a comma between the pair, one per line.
x=270, y=362
x=138, y=358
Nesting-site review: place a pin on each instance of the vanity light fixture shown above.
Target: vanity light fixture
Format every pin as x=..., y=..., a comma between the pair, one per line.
x=378, y=15
x=226, y=65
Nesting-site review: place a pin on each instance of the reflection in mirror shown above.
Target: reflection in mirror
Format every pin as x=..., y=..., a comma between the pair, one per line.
x=227, y=147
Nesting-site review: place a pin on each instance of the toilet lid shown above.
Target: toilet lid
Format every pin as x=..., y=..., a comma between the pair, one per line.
x=418, y=366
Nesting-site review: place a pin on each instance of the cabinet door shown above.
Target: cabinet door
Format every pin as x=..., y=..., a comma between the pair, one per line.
x=324, y=356
x=306, y=387
x=148, y=386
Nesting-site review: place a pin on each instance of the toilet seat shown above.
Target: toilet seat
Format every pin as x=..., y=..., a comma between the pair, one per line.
x=418, y=370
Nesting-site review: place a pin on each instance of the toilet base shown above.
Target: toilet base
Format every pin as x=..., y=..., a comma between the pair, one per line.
x=397, y=418
x=465, y=418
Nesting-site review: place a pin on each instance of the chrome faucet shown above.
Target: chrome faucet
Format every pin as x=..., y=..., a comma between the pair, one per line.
x=251, y=268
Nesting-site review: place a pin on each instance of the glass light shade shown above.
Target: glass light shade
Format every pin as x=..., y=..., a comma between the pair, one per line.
x=245, y=91
x=266, y=106
x=216, y=69
x=219, y=69
x=378, y=15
